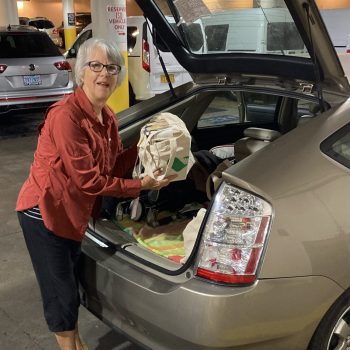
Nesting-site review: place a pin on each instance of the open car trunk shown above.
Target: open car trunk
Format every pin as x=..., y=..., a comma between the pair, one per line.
x=157, y=236
x=219, y=121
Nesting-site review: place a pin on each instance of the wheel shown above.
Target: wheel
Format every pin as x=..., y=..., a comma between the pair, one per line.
x=333, y=333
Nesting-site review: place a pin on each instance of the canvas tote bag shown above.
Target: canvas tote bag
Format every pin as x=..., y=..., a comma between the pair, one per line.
x=165, y=143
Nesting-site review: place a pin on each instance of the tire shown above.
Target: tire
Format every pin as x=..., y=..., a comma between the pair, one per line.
x=333, y=333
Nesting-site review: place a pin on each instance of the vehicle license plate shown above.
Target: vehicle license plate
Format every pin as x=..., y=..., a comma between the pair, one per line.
x=163, y=78
x=32, y=80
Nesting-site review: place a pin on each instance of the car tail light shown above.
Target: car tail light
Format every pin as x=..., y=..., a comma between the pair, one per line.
x=2, y=68
x=145, y=55
x=347, y=50
x=234, y=237
x=63, y=65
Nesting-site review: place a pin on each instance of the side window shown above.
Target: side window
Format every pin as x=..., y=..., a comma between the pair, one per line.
x=337, y=146
x=260, y=108
x=133, y=33
x=283, y=36
x=216, y=36
x=223, y=110
x=192, y=32
x=81, y=39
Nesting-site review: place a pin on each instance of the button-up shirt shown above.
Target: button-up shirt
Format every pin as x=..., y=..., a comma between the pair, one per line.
x=77, y=159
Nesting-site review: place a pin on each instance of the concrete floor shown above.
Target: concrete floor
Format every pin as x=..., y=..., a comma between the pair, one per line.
x=22, y=325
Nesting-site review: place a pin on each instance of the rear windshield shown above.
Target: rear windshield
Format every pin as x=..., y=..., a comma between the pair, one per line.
x=236, y=26
x=34, y=44
x=42, y=24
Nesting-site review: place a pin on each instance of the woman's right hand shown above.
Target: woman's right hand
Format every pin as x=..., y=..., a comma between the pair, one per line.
x=148, y=183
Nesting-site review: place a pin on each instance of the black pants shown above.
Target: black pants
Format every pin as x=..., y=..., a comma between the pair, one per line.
x=55, y=261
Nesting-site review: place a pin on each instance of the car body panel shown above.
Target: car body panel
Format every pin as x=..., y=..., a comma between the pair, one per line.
x=159, y=322
x=306, y=194
x=50, y=76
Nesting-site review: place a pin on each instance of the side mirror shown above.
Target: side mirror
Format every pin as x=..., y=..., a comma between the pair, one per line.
x=72, y=53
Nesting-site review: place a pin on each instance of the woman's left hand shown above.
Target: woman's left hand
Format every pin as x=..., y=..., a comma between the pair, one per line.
x=148, y=183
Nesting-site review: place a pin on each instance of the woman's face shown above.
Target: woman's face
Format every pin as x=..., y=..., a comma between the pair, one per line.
x=98, y=86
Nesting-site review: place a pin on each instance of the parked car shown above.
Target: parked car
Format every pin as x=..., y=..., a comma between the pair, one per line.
x=23, y=20
x=45, y=25
x=33, y=73
x=146, y=75
x=269, y=267
x=82, y=19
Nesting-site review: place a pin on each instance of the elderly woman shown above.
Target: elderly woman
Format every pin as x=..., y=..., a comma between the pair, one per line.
x=79, y=157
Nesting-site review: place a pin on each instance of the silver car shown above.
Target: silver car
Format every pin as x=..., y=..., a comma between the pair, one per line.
x=45, y=25
x=269, y=265
x=33, y=73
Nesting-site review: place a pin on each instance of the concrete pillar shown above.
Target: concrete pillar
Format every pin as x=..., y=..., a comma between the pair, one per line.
x=70, y=32
x=8, y=12
x=109, y=22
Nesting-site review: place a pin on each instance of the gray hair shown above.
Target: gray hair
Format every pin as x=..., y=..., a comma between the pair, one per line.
x=110, y=48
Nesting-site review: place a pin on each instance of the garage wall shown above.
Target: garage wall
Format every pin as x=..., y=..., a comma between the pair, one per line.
x=52, y=9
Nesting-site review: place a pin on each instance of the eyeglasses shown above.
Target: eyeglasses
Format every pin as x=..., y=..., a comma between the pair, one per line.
x=96, y=66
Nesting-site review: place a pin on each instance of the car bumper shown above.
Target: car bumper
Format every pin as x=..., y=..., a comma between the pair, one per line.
x=26, y=100
x=188, y=313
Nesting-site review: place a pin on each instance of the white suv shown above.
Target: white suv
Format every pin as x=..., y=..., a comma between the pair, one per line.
x=146, y=76
x=45, y=25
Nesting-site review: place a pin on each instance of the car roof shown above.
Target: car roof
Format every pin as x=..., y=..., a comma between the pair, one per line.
x=322, y=67
x=34, y=18
x=18, y=28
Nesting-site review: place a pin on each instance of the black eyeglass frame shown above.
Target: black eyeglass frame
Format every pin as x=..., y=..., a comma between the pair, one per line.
x=107, y=66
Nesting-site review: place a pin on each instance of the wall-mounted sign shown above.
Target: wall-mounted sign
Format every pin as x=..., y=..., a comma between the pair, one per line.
x=71, y=19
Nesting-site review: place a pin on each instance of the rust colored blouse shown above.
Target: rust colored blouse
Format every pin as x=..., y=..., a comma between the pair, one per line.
x=77, y=160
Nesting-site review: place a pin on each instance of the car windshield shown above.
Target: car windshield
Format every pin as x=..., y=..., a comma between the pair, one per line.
x=34, y=44
x=82, y=20
x=42, y=24
x=266, y=27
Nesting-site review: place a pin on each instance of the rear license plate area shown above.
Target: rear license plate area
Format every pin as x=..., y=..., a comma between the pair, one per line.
x=30, y=80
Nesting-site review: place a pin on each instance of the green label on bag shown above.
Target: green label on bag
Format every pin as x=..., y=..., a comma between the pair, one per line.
x=178, y=164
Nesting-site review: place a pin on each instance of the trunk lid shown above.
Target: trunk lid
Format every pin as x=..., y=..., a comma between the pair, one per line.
x=275, y=41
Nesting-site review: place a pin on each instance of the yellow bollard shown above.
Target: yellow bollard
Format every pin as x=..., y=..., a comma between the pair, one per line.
x=119, y=100
x=69, y=36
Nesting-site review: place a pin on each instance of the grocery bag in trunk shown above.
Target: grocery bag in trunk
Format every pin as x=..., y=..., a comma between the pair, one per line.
x=165, y=143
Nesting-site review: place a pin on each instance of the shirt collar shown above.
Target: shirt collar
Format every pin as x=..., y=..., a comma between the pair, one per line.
x=86, y=106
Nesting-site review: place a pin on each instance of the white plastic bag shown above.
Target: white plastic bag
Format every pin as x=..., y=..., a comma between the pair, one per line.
x=165, y=143
x=190, y=233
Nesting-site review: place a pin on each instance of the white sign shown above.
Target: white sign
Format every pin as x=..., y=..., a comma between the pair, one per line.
x=191, y=10
x=116, y=17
